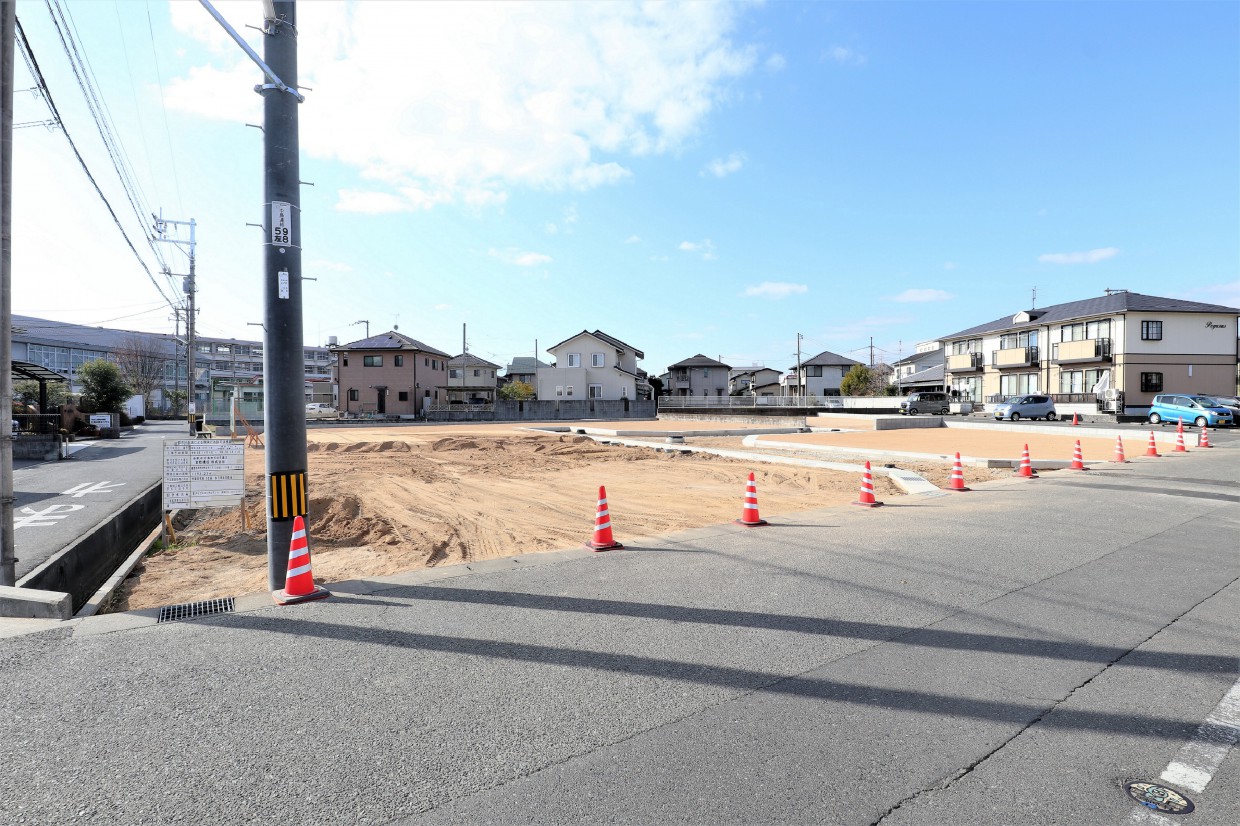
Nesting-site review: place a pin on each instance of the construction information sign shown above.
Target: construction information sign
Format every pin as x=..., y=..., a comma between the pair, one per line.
x=203, y=473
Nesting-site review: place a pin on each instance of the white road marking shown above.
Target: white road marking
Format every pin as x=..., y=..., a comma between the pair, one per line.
x=1194, y=766
x=48, y=516
x=78, y=491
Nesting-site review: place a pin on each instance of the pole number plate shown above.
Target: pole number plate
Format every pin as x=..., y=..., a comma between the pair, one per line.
x=282, y=223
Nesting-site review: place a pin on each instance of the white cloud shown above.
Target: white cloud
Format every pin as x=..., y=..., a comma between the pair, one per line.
x=442, y=307
x=774, y=290
x=1227, y=294
x=949, y=265
x=863, y=327
x=921, y=296
x=374, y=203
x=723, y=167
x=1090, y=257
x=776, y=63
x=705, y=246
x=845, y=56
x=520, y=258
x=462, y=102
x=633, y=239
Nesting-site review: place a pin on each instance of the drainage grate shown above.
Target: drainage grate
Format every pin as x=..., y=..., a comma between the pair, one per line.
x=202, y=608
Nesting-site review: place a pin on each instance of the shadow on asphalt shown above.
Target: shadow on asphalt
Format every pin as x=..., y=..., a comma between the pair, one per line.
x=749, y=680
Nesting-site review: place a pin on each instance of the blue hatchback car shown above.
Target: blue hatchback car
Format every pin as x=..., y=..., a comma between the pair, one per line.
x=1197, y=410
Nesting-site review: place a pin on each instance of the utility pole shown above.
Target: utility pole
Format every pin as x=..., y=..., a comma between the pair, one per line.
x=8, y=554
x=363, y=321
x=284, y=412
x=800, y=371
x=190, y=289
x=871, y=352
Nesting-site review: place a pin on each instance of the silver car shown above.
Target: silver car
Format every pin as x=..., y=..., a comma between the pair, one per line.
x=1027, y=407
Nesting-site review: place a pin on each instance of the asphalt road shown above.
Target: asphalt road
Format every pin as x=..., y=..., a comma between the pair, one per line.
x=1010, y=655
x=57, y=502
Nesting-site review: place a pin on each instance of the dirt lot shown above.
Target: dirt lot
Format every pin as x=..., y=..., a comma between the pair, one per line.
x=385, y=500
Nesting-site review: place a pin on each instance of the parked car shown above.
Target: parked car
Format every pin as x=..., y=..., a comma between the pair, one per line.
x=926, y=403
x=317, y=410
x=1232, y=403
x=1026, y=407
x=1169, y=408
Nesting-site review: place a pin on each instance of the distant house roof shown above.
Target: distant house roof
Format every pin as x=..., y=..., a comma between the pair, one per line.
x=601, y=336
x=922, y=358
x=826, y=358
x=1116, y=302
x=469, y=359
x=524, y=365
x=391, y=340
x=699, y=361
x=930, y=374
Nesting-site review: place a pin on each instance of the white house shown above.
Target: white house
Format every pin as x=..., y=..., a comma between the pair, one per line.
x=590, y=365
x=823, y=374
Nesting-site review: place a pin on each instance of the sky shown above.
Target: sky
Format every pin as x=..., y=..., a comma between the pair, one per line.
x=699, y=177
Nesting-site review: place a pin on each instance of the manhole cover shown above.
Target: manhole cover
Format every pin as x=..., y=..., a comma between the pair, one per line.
x=1159, y=798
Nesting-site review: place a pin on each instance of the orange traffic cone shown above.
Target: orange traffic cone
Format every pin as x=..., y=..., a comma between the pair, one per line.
x=299, y=581
x=1179, y=439
x=1203, y=438
x=866, y=499
x=1078, y=460
x=749, y=514
x=1075, y=420
x=957, y=481
x=603, y=540
x=1026, y=469
x=1152, y=449
x=1119, y=450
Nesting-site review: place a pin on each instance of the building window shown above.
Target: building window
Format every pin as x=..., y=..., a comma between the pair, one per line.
x=1018, y=384
x=559, y=390
x=426, y=362
x=344, y=361
x=372, y=361
x=399, y=361
x=596, y=391
x=1152, y=331
x=1014, y=341
x=568, y=390
x=574, y=359
x=813, y=371
x=597, y=360
x=706, y=372
x=352, y=395
x=477, y=373
x=402, y=396
x=1150, y=382
x=1071, y=381
x=454, y=373
x=624, y=392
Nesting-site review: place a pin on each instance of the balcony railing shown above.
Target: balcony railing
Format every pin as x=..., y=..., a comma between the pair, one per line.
x=1090, y=349
x=964, y=362
x=1014, y=357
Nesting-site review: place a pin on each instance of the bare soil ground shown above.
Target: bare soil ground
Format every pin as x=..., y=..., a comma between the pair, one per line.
x=388, y=500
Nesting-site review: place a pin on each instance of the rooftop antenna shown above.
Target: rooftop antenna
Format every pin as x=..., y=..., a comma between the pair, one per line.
x=1033, y=305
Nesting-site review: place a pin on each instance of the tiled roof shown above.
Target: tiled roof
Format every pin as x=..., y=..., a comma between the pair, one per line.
x=467, y=359
x=699, y=361
x=524, y=365
x=827, y=358
x=1118, y=302
x=934, y=373
x=391, y=340
x=606, y=339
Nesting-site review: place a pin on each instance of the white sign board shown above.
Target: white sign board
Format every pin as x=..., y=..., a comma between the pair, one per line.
x=101, y=420
x=203, y=473
x=282, y=283
x=281, y=223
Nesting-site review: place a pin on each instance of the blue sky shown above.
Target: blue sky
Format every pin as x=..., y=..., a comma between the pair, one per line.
x=689, y=178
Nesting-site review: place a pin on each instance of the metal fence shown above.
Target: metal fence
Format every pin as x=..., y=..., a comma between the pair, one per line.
x=35, y=423
x=750, y=401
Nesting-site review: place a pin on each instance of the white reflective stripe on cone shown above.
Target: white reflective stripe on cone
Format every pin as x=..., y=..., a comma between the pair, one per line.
x=304, y=569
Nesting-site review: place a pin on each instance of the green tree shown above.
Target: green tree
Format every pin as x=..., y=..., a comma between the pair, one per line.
x=858, y=382
x=27, y=392
x=656, y=386
x=516, y=391
x=104, y=391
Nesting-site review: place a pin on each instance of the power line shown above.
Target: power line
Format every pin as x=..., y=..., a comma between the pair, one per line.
x=33, y=62
x=150, y=27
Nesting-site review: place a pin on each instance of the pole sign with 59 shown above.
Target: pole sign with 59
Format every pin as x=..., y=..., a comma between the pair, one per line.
x=281, y=223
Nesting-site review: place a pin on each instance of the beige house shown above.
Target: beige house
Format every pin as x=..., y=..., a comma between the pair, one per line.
x=390, y=375
x=1121, y=348
x=471, y=380
x=590, y=366
x=698, y=375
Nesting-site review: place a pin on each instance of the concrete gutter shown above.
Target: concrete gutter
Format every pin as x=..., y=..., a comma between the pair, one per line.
x=908, y=481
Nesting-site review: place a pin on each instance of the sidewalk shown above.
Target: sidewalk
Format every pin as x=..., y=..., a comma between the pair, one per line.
x=832, y=668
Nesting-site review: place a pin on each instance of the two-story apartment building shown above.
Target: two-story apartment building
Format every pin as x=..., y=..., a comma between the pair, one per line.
x=698, y=375
x=590, y=365
x=471, y=380
x=823, y=374
x=390, y=374
x=1130, y=345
